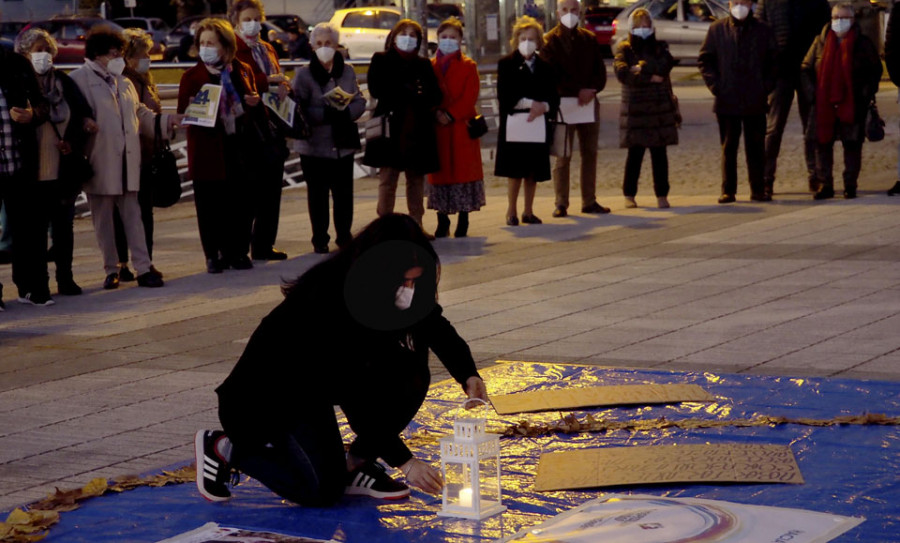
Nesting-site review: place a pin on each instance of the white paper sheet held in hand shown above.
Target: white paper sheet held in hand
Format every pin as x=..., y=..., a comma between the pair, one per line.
x=204, y=108
x=283, y=108
x=572, y=113
x=518, y=129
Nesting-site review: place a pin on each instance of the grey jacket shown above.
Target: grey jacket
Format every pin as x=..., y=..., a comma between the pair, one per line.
x=319, y=116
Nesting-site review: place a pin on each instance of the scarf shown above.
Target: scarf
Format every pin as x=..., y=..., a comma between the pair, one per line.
x=52, y=89
x=443, y=61
x=321, y=75
x=834, y=85
x=143, y=83
x=230, y=107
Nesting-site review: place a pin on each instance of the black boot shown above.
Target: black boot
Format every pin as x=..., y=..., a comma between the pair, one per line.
x=462, y=225
x=443, y=229
x=895, y=189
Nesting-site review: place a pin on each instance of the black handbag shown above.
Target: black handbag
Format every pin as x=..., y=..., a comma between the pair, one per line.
x=874, y=123
x=477, y=126
x=160, y=173
x=378, y=141
x=74, y=167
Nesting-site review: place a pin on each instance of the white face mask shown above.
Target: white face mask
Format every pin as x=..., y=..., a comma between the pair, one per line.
x=740, y=11
x=642, y=32
x=527, y=48
x=143, y=66
x=250, y=28
x=407, y=44
x=404, y=297
x=570, y=20
x=841, y=26
x=325, y=54
x=42, y=62
x=116, y=66
x=209, y=55
x=448, y=46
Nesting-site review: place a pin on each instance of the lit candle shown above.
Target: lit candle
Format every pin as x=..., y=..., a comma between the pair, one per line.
x=465, y=497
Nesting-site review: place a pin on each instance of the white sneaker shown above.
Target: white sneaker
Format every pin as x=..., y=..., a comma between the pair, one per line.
x=36, y=299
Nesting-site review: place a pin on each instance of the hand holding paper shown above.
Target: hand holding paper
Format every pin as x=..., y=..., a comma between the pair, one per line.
x=338, y=98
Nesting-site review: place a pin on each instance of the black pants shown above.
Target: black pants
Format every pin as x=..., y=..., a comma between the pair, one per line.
x=754, y=129
x=145, y=200
x=266, y=200
x=780, y=101
x=222, y=219
x=56, y=209
x=304, y=461
x=659, y=160
x=852, y=163
x=324, y=175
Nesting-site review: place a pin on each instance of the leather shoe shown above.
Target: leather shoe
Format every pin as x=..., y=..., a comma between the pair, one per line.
x=111, y=281
x=68, y=287
x=241, y=263
x=321, y=249
x=214, y=265
x=595, y=207
x=150, y=280
x=273, y=254
x=824, y=193
x=760, y=197
x=559, y=212
x=726, y=198
x=513, y=221
x=531, y=219
x=895, y=189
x=125, y=274
x=849, y=194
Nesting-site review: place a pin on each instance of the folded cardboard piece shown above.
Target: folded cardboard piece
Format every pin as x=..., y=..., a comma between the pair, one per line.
x=574, y=398
x=617, y=466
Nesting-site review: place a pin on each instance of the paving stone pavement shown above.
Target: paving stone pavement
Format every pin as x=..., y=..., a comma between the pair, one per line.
x=116, y=382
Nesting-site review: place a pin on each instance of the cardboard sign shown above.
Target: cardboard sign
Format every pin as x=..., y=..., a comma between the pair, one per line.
x=708, y=463
x=574, y=398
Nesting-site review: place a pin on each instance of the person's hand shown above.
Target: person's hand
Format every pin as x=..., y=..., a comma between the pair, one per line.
x=656, y=78
x=475, y=389
x=443, y=118
x=21, y=115
x=636, y=69
x=537, y=110
x=251, y=99
x=90, y=126
x=277, y=79
x=586, y=96
x=423, y=476
x=64, y=147
x=283, y=89
x=175, y=121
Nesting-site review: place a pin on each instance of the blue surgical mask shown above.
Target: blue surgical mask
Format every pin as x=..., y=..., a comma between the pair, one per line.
x=250, y=28
x=405, y=43
x=448, y=46
x=209, y=55
x=841, y=26
x=642, y=32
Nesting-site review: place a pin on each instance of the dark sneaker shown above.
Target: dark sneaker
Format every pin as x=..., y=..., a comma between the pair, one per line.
x=36, y=298
x=150, y=280
x=125, y=274
x=594, y=207
x=370, y=479
x=726, y=198
x=241, y=263
x=213, y=472
x=68, y=287
x=111, y=281
x=560, y=212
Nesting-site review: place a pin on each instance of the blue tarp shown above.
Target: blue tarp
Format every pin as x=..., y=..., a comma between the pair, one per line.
x=849, y=470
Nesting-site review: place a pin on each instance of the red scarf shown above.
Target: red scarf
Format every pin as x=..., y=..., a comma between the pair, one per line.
x=834, y=85
x=443, y=61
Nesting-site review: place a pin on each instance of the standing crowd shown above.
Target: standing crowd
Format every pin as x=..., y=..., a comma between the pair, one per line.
x=94, y=128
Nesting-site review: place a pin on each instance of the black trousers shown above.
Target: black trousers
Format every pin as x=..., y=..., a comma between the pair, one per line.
x=55, y=208
x=659, y=160
x=324, y=175
x=266, y=201
x=754, y=129
x=222, y=220
x=145, y=201
x=852, y=163
x=780, y=101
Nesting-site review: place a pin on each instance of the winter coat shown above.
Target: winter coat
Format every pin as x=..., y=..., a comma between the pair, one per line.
x=206, y=146
x=310, y=85
x=795, y=24
x=576, y=59
x=74, y=134
x=408, y=93
x=738, y=63
x=120, y=118
x=892, y=46
x=515, y=80
x=20, y=88
x=459, y=155
x=647, y=117
x=149, y=95
x=245, y=55
x=867, y=72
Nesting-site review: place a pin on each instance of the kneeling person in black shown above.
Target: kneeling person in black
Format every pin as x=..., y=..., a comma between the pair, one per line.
x=353, y=331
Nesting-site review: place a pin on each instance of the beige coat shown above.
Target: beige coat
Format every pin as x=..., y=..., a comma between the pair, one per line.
x=121, y=118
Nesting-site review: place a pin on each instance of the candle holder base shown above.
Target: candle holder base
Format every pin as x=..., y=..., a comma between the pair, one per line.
x=451, y=511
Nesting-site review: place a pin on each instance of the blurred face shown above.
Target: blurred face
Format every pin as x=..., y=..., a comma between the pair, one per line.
x=41, y=46
x=208, y=38
x=841, y=13
x=407, y=31
x=135, y=59
x=641, y=22
x=746, y=3
x=248, y=15
x=322, y=39
x=569, y=6
x=450, y=33
x=411, y=275
x=103, y=60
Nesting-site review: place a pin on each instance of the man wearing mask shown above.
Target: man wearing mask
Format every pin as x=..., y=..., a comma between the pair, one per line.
x=795, y=25
x=737, y=61
x=577, y=61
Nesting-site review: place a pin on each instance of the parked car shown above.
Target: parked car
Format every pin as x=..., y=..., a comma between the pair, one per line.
x=156, y=27
x=286, y=20
x=270, y=33
x=70, y=34
x=681, y=23
x=601, y=20
x=363, y=31
x=11, y=29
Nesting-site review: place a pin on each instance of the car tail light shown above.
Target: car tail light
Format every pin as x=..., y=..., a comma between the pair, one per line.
x=615, y=24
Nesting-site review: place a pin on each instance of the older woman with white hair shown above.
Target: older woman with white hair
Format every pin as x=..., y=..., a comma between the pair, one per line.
x=331, y=102
x=52, y=198
x=648, y=116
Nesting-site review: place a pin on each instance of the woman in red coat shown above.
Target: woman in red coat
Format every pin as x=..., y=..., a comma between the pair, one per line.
x=222, y=157
x=458, y=187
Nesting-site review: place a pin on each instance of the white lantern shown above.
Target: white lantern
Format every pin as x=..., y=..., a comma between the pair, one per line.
x=470, y=464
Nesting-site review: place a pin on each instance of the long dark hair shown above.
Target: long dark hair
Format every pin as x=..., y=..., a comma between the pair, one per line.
x=370, y=268
x=401, y=24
